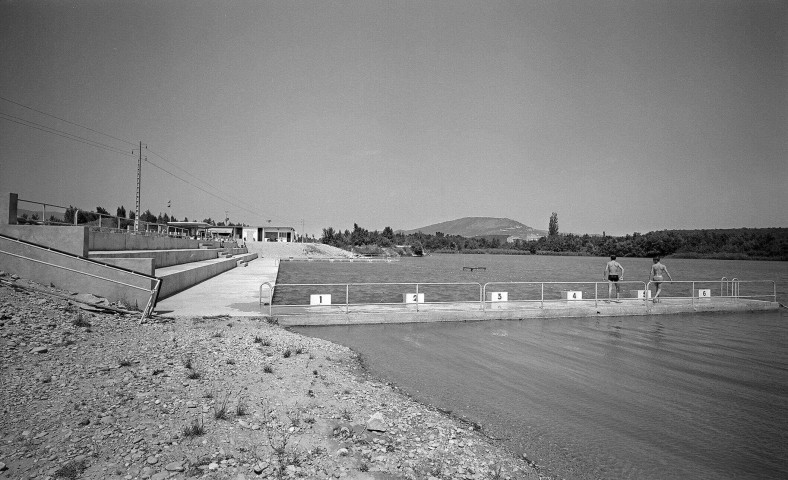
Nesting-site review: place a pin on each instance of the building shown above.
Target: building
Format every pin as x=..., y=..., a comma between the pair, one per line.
x=189, y=229
x=269, y=234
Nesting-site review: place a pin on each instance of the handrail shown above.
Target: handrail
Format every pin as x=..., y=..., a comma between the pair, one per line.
x=542, y=300
x=347, y=286
x=271, y=298
x=734, y=290
x=483, y=289
x=153, y=292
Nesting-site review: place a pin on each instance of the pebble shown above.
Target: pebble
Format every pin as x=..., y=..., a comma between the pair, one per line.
x=76, y=403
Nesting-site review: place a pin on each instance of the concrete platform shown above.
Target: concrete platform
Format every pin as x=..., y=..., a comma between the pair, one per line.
x=235, y=293
x=463, y=312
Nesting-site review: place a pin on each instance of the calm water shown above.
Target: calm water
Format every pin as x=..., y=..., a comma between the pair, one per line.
x=692, y=396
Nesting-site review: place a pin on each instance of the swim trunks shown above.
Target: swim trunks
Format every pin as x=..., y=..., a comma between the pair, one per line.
x=612, y=278
x=657, y=278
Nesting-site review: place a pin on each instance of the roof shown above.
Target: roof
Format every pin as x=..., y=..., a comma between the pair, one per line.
x=189, y=224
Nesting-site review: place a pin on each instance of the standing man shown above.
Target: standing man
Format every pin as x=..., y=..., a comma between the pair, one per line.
x=613, y=273
x=658, y=272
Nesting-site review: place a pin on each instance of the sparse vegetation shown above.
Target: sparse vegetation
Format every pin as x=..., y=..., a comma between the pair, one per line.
x=268, y=369
x=230, y=361
x=220, y=409
x=287, y=353
x=281, y=439
x=195, y=429
x=80, y=321
x=72, y=470
x=187, y=361
x=258, y=339
x=124, y=362
x=193, y=375
x=241, y=409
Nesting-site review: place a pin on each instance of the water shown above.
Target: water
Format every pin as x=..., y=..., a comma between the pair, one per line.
x=693, y=396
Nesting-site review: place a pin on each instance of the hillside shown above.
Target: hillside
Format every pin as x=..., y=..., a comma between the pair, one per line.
x=480, y=226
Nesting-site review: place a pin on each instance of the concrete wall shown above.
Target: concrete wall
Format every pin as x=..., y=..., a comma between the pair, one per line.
x=161, y=258
x=73, y=240
x=81, y=276
x=125, y=241
x=8, y=208
x=141, y=265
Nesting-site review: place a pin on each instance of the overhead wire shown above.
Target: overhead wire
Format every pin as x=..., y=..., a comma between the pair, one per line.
x=87, y=141
x=67, y=121
x=200, y=188
x=209, y=184
x=62, y=133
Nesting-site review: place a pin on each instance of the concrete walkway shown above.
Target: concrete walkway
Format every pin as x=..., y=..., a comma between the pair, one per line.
x=235, y=293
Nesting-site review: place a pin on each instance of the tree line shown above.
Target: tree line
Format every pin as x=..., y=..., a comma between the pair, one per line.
x=740, y=243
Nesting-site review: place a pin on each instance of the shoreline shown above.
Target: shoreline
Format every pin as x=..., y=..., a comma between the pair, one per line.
x=96, y=395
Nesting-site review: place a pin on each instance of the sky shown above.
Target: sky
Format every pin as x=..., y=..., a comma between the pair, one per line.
x=620, y=116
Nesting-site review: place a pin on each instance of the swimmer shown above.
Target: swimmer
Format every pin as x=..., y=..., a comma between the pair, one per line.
x=658, y=272
x=613, y=273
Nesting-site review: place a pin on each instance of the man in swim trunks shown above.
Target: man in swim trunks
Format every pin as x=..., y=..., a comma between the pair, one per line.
x=657, y=275
x=613, y=273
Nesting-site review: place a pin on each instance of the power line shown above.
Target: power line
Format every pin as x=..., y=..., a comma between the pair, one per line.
x=201, y=180
x=67, y=121
x=202, y=189
x=62, y=133
x=110, y=148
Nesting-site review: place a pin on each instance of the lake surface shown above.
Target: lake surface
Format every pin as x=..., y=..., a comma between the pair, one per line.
x=670, y=396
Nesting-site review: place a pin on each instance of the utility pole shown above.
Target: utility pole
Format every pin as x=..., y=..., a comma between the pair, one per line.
x=139, y=181
x=302, y=230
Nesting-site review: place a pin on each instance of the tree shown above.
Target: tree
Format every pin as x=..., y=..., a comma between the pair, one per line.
x=121, y=212
x=102, y=210
x=553, y=228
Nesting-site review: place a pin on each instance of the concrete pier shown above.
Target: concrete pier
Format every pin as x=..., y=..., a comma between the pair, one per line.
x=367, y=314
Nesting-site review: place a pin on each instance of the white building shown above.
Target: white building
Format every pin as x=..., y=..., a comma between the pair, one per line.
x=269, y=234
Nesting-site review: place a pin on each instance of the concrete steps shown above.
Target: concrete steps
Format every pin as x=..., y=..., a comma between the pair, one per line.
x=177, y=278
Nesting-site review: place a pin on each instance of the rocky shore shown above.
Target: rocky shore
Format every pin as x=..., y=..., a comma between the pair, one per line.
x=95, y=395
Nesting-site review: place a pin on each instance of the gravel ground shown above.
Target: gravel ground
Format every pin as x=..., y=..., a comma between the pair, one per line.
x=94, y=395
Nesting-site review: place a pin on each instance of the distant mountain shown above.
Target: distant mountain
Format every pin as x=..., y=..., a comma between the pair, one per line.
x=481, y=227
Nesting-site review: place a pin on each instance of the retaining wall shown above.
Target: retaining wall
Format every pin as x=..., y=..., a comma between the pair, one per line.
x=74, y=274
x=73, y=240
x=126, y=241
x=161, y=258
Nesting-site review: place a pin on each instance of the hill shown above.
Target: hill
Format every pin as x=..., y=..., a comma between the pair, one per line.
x=482, y=227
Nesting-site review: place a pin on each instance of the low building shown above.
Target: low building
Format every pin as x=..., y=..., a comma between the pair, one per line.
x=269, y=234
x=226, y=233
x=188, y=229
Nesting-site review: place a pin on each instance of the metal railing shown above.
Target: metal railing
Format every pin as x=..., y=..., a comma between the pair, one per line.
x=541, y=300
x=418, y=288
x=728, y=289
x=146, y=312
x=347, y=290
x=524, y=292
x=106, y=222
